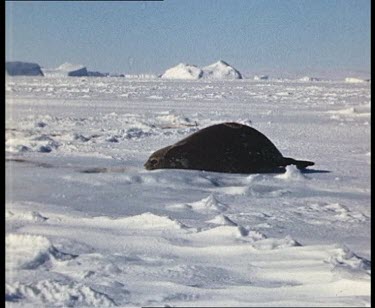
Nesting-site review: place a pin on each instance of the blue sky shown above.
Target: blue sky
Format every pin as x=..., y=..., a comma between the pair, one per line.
x=149, y=37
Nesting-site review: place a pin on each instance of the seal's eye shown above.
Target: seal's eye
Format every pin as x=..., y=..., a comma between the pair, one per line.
x=153, y=161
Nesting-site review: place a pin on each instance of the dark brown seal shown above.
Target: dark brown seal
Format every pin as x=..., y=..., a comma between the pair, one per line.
x=226, y=147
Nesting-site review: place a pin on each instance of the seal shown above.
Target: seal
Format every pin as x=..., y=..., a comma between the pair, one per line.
x=227, y=147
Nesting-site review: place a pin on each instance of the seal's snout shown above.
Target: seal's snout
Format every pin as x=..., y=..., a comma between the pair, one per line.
x=147, y=165
x=151, y=164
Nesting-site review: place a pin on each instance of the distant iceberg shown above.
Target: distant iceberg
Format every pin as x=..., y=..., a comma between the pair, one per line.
x=66, y=69
x=96, y=74
x=115, y=75
x=18, y=68
x=183, y=71
x=220, y=70
x=217, y=70
x=355, y=80
x=262, y=77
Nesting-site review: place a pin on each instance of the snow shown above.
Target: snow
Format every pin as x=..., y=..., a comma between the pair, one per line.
x=354, y=80
x=222, y=220
x=88, y=226
x=183, y=71
x=23, y=69
x=140, y=76
x=292, y=173
x=66, y=69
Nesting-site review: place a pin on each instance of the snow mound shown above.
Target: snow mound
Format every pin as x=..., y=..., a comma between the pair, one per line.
x=150, y=221
x=23, y=69
x=274, y=243
x=350, y=111
x=354, y=80
x=292, y=173
x=171, y=120
x=221, y=232
x=342, y=213
x=323, y=213
x=183, y=71
x=207, y=204
x=222, y=220
x=221, y=70
x=231, y=234
x=344, y=257
x=28, y=216
x=66, y=69
x=307, y=78
x=145, y=221
x=261, y=77
x=359, y=111
x=25, y=251
x=49, y=293
x=20, y=142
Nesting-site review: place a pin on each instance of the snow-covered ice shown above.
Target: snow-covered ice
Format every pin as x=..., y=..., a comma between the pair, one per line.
x=88, y=226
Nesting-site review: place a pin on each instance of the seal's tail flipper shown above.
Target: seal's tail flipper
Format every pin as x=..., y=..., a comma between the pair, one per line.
x=300, y=164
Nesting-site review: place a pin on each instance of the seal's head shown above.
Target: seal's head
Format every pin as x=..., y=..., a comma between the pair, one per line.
x=157, y=160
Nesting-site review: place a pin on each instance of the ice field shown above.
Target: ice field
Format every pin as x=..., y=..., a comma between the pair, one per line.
x=88, y=226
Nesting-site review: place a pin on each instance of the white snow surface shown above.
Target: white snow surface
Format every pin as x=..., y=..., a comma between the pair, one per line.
x=88, y=226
